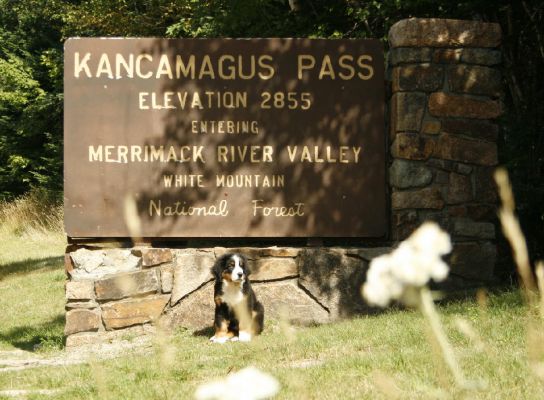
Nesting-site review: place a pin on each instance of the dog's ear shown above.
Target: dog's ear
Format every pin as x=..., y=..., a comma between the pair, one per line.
x=218, y=267
x=245, y=263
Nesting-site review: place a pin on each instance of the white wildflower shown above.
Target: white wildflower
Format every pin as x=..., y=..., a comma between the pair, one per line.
x=246, y=384
x=411, y=265
x=429, y=238
x=408, y=266
x=382, y=286
x=440, y=270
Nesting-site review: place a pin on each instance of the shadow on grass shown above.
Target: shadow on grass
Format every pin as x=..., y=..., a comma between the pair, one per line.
x=31, y=265
x=48, y=335
x=208, y=332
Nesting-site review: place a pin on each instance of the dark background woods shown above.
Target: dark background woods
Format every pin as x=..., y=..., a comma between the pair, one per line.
x=32, y=34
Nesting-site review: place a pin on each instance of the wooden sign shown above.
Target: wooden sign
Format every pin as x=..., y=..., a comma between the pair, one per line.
x=224, y=138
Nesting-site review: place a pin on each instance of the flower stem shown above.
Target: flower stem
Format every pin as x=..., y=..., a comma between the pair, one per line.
x=429, y=311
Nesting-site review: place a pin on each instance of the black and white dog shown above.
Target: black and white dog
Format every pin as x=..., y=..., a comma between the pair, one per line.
x=238, y=314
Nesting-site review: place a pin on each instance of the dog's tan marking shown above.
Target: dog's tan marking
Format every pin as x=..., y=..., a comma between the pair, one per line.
x=222, y=331
x=218, y=300
x=226, y=276
x=222, y=334
x=254, y=323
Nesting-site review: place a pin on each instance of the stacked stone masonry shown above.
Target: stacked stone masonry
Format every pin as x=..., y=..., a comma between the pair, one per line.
x=173, y=288
x=446, y=94
x=445, y=97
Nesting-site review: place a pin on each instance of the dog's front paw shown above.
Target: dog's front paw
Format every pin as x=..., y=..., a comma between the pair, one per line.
x=219, y=339
x=244, y=336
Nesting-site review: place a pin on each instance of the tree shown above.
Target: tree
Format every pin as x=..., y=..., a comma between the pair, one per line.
x=30, y=97
x=32, y=31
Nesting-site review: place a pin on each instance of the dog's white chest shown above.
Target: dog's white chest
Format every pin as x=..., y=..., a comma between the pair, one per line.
x=232, y=294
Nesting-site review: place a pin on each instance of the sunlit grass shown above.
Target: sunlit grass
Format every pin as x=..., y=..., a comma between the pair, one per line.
x=383, y=356
x=38, y=215
x=31, y=283
x=343, y=360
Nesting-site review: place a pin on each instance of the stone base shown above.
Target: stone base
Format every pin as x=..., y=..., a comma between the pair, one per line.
x=173, y=288
x=445, y=96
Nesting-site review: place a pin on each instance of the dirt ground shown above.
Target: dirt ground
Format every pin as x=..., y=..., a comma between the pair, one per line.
x=15, y=360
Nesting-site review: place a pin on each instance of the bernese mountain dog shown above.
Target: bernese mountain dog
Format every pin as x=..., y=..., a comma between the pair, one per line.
x=238, y=314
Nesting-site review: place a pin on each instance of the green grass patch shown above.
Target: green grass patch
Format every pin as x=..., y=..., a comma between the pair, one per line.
x=372, y=357
x=35, y=215
x=356, y=359
x=31, y=292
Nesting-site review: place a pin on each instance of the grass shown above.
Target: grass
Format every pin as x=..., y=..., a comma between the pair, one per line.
x=31, y=293
x=361, y=358
x=36, y=214
x=31, y=273
x=375, y=357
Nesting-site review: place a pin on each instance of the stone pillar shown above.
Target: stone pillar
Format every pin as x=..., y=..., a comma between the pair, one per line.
x=113, y=292
x=445, y=96
x=446, y=91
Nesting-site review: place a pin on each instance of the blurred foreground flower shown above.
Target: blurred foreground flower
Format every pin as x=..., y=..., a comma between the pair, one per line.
x=417, y=260
x=246, y=384
x=403, y=275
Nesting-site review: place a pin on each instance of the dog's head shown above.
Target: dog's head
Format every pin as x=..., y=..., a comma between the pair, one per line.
x=231, y=268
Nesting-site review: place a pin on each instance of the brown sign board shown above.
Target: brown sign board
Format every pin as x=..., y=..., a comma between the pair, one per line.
x=224, y=138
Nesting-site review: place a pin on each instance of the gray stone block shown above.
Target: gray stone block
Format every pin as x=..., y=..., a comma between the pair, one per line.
x=429, y=197
x=192, y=269
x=466, y=228
x=422, y=78
x=130, y=312
x=450, y=147
x=403, y=55
x=459, y=189
x=407, y=111
x=456, y=105
x=286, y=301
x=79, y=290
x=72, y=305
x=95, y=264
x=481, y=56
x=474, y=79
x=473, y=260
x=195, y=311
x=334, y=279
x=368, y=253
x=411, y=146
x=406, y=174
x=167, y=279
x=128, y=284
x=273, y=268
x=152, y=257
x=437, y=32
x=475, y=128
x=82, y=321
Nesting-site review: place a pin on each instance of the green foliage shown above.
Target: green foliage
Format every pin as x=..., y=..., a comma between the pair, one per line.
x=522, y=147
x=32, y=32
x=121, y=17
x=30, y=97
